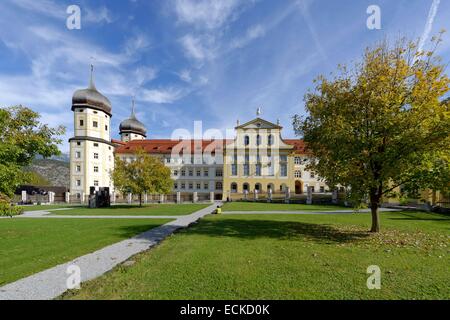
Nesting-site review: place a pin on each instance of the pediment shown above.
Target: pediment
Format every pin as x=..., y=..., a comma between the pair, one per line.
x=259, y=123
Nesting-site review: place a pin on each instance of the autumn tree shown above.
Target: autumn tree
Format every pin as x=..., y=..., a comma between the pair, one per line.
x=145, y=174
x=381, y=123
x=22, y=137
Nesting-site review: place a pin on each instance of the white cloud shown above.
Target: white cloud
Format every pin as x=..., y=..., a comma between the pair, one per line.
x=185, y=75
x=136, y=43
x=161, y=96
x=196, y=47
x=209, y=14
x=144, y=74
x=254, y=32
x=429, y=24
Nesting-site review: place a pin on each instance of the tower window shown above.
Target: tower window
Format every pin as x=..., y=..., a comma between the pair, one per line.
x=78, y=154
x=78, y=183
x=106, y=128
x=81, y=110
x=78, y=168
x=95, y=155
x=95, y=124
x=95, y=183
x=78, y=143
x=95, y=169
x=95, y=144
x=81, y=123
x=246, y=140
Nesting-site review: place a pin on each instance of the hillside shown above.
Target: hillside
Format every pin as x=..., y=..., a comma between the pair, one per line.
x=56, y=172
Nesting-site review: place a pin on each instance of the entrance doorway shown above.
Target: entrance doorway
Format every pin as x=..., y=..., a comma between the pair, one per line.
x=298, y=187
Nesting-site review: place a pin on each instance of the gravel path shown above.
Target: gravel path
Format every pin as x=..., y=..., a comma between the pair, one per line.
x=51, y=283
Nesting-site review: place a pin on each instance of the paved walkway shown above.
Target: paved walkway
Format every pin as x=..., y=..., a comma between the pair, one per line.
x=308, y=212
x=51, y=283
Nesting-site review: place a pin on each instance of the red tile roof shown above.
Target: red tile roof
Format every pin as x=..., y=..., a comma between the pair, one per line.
x=299, y=145
x=165, y=146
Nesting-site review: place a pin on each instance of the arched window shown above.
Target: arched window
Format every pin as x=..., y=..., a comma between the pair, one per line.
x=246, y=140
x=270, y=140
x=218, y=185
x=246, y=187
x=258, y=187
x=234, y=187
x=258, y=140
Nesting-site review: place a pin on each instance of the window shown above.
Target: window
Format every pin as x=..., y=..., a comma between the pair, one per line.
x=258, y=170
x=183, y=173
x=283, y=158
x=106, y=127
x=298, y=160
x=206, y=185
x=78, y=169
x=247, y=158
x=322, y=189
x=219, y=185
x=233, y=187
x=219, y=173
x=191, y=186
x=283, y=170
x=234, y=169
x=95, y=169
x=246, y=140
x=246, y=170
x=191, y=173
x=298, y=174
x=78, y=154
x=95, y=124
x=175, y=173
x=95, y=183
x=183, y=186
x=205, y=173
x=95, y=144
x=175, y=185
x=312, y=189
x=81, y=110
x=199, y=174
x=95, y=112
x=313, y=174
x=78, y=143
x=270, y=169
x=258, y=140
x=199, y=185
x=78, y=183
x=81, y=123
x=270, y=140
x=95, y=155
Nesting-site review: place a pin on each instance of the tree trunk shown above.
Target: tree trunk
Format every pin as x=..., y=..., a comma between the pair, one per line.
x=375, y=218
x=140, y=199
x=375, y=198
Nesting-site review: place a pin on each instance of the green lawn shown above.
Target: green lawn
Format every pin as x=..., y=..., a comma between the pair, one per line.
x=28, y=246
x=134, y=210
x=288, y=257
x=260, y=206
x=44, y=207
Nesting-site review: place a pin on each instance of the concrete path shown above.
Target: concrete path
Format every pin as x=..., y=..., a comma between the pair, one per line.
x=308, y=212
x=52, y=282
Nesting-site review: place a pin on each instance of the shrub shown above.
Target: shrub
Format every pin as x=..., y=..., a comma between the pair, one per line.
x=8, y=210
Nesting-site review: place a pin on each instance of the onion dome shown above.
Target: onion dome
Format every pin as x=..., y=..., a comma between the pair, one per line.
x=133, y=125
x=91, y=98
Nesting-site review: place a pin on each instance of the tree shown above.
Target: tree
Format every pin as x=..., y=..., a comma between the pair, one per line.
x=22, y=137
x=381, y=124
x=145, y=174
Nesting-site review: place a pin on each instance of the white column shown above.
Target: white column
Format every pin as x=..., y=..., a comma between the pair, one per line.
x=269, y=195
x=113, y=197
x=288, y=195
x=256, y=195
x=334, y=198
x=67, y=197
x=195, y=197
x=309, y=198
x=178, y=197
x=130, y=198
x=211, y=197
x=83, y=200
x=145, y=198
x=161, y=198
x=24, y=196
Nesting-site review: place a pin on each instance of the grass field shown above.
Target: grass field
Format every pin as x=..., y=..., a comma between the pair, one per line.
x=261, y=206
x=28, y=246
x=44, y=207
x=134, y=210
x=288, y=257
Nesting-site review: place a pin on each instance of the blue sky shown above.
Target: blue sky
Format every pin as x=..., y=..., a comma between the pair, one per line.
x=186, y=60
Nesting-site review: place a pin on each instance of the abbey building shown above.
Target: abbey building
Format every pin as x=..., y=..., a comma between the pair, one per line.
x=257, y=161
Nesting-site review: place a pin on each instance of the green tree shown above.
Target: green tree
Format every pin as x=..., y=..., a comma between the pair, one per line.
x=22, y=137
x=145, y=174
x=381, y=124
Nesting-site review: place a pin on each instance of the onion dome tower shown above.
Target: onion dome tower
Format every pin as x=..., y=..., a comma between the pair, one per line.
x=91, y=150
x=132, y=128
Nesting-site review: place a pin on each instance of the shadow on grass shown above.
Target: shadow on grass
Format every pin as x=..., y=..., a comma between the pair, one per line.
x=253, y=229
x=421, y=216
